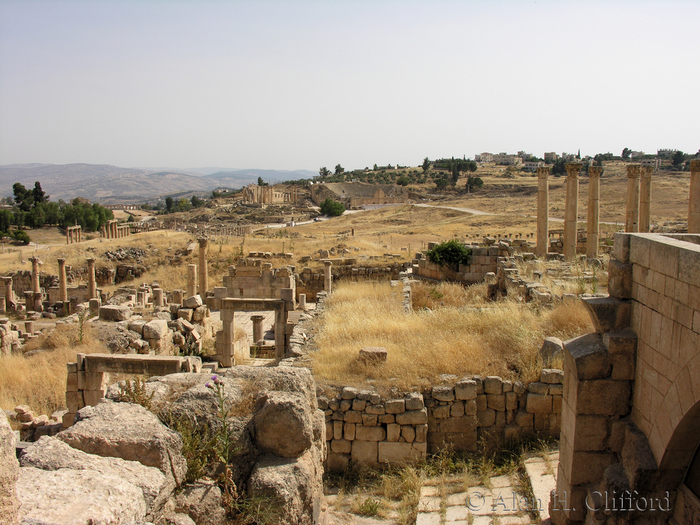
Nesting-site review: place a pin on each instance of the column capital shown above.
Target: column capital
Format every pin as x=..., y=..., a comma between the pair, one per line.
x=634, y=171
x=91, y=261
x=203, y=241
x=695, y=165
x=35, y=260
x=595, y=171
x=61, y=260
x=542, y=172
x=647, y=171
x=573, y=169
x=327, y=263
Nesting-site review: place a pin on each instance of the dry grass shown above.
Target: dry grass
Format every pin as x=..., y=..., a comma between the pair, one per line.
x=501, y=339
x=39, y=380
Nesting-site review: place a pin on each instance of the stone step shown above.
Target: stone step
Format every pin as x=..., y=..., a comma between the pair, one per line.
x=542, y=472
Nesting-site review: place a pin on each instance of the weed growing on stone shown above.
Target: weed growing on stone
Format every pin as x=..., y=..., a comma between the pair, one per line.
x=134, y=391
x=369, y=507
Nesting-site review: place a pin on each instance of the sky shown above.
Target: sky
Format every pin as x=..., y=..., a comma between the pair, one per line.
x=304, y=84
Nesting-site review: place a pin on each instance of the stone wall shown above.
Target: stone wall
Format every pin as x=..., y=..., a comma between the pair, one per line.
x=310, y=282
x=363, y=427
x=255, y=279
x=484, y=259
x=630, y=416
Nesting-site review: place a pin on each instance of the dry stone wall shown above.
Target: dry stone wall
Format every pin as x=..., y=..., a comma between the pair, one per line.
x=311, y=282
x=365, y=428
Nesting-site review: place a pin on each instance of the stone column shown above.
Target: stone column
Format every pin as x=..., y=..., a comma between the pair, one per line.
x=542, y=211
x=80, y=233
x=645, y=199
x=257, y=328
x=632, y=214
x=35, y=274
x=62, y=285
x=302, y=301
x=327, y=276
x=571, y=219
x=158, y=297
x=67, y=235
x=191, y=280
x=592, y=230
x=225, y=337
x=694, y=202
x=9, y=294
x=29, y=327
x=92, y=287
x=203, y=272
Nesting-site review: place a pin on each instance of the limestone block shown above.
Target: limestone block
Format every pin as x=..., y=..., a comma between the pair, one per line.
x=623, y=367
x=352, y=416
x=524, y=419
x=609, y=313
x=551, y=348
x=185, y=314
x=621, y=341
x=345, y=405
x=465, y=390
x=556, y=404
x=364, y=452
x=373, y=355
x=199, y=314
x=414, y=401
x=348, y=393
x=283, y=425
x=486, y=418
x=552, y=376
x=493, y=385
x=413, y=417
x=441, y=412
x=397, y=453
x=194, y=301
x=465, y=424
x=395, y=406
x=341, y=446
x=408, y=432
x=539, y=404
x=511, y=401
x=369, y=420
x=496, y=402
x=363, y=433
x=337, y=430
x=557, y=390
x=619, y=279
x=375, y=409
x=587, y=357
x=393, y=432
x=385, y=419
x=507, y=386
x=443, y=393
x=470, y=407
x=421, y=433
x=114, y=313
x=538, y=388
x=358, y=404
x=9, y=472
x=481, y=402
x=156, y=329
x=457, y=409
x=603, y=397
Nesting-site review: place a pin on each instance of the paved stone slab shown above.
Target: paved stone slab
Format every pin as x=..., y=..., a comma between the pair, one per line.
x=429, y=491
x=542, y=474
x=431, y=518
x=429, y=504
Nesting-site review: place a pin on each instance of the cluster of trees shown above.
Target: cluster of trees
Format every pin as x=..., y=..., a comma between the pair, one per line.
x=450, y=254
x=173, y=206
x=33, y=209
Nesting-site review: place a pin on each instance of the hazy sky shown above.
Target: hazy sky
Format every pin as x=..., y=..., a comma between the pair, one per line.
x=292, y=84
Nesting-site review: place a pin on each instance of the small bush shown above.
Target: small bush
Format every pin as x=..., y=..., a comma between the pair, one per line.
x=332, y=208
x=21, y=236
x=450, y=254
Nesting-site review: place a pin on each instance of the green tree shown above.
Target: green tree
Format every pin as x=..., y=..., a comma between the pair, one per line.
x=474, y=183
x=23, y=198
x=197, y=202
x=323, y=172
x=678, y=159
x=332, y=208
x=450, y=254
x=403, y=181
x=6, y=219
x=39, y=195
x=626, y=153
x=21, y=236
x=169, y=202
x=441, y=183
x=339, y=169
x=261, y=182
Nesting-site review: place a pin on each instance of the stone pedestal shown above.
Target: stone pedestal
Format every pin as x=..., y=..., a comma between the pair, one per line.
x=645, y=199
x=571, y=219
x=158, y=297
x=694, y=202
x=632, y=213
x=302, y=301
x=177, y=297
x=203, y=272
x=9, y=294
x=542, y=211
x=257, y=328
x=327, y=276
x=592, y=232
x=62, y=284
x=225, y=339
x=191, y=280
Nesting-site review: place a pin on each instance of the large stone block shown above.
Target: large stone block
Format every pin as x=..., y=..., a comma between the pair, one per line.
x=588, y=357
x=398, y=453
x=363, y=433
x=619, y=279
x=283, y=425
x=591, y=433
x=493, y=385
x=466, y=424
x=114, y=313
x=602, y=397
x=621, y=341
x=443, y=393
x=156, y=329
x=9, y=472
x=395, y=406
x=413, y=417
x=465, y=390
x=539, y=404
x=609, y=313
x=364, y=452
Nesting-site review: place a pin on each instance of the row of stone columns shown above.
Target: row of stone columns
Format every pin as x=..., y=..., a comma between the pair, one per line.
x=112, y=230
x=638, y=209
x=73, y=234
x=694, y=202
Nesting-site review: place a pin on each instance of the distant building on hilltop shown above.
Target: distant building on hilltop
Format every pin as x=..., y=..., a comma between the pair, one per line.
x=353, y=194
x=255, y=194
x=551, y=157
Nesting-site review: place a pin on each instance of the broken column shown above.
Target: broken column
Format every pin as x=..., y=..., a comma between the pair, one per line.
x=327, y=276
x=592, y=231
x=257, y=328
x=92, y=286
x=694, y=201
x=9, y=295
x=203, y=272
x=302, y=301
x=645, y=199
x=632, y=213
x=36, y=288
x=542, y=211
x=225, y=337
x=571, y=219
x=158, y=296
x=191, y=280
x=62, y=284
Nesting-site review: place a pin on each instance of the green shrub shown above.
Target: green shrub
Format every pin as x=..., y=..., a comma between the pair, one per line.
x=332, y=208
x=450, y=254
x=21, y=236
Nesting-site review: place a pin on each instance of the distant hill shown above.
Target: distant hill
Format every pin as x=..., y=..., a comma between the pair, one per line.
x=111, y=184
